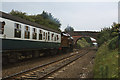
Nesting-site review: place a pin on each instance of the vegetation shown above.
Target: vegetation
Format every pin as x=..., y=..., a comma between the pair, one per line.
x=106, y=61
x=113, y=44
x=81, y=43
x=108, y=33
x=45, y=19
x=89, y=41
x=69, y=29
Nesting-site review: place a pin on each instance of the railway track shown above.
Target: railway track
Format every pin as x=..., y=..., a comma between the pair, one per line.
x=44, y=70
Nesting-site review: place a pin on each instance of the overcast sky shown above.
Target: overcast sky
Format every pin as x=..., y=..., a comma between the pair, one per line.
x=85, y=16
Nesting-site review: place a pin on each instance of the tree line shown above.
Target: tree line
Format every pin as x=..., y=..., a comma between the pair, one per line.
x=110, y=33
x=45, y=19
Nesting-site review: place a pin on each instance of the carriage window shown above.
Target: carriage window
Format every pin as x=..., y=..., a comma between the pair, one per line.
x=27, y=32
x=57, y=37
x=34, y=33
x=2, y=24
x=48, y=36
x=17, y=30
x=40, y=35
x=52, y=36
x=44, y=35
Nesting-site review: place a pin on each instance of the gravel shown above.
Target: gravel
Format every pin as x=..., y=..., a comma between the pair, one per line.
x=81, y=68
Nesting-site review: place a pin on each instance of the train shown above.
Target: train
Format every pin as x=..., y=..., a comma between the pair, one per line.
x=66, y=42
x=22, y=39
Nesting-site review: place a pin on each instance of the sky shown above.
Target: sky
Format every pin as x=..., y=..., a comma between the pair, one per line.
x=82, y=16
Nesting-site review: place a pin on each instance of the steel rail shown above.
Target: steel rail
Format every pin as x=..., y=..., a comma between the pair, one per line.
x=43, y=65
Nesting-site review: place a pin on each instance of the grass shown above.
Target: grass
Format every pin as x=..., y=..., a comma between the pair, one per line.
x=82, y=43
x=106, y=62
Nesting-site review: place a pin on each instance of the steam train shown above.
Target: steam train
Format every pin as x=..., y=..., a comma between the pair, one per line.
x=24, y=39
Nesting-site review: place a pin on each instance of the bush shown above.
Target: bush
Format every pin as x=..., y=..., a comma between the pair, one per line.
x=103, y=36
x=113, y=43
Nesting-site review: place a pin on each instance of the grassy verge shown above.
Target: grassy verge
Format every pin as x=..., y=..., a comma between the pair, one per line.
x=106, y=62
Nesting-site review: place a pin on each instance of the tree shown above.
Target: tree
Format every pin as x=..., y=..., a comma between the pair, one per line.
x=107, y=34
x=45, y=19
x=44, y=15
x=49, y=16
x=69, y=29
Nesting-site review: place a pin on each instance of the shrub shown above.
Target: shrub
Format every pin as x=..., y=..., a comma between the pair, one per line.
x=113, y=43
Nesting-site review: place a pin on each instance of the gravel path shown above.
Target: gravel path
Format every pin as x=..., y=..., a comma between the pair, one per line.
x=32, y=63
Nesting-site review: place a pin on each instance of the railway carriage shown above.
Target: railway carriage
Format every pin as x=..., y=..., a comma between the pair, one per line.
x=20, y=36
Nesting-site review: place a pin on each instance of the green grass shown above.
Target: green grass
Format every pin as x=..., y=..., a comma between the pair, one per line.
x=106, y=62
x=82, y=43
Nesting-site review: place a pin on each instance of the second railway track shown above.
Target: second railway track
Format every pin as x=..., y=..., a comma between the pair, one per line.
x=44, y=70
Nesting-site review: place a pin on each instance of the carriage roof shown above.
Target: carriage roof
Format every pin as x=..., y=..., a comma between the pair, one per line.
x=18, y=19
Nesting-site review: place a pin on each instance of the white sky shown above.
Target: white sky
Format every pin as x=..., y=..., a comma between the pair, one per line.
x=81, y=15
x=59, y=0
